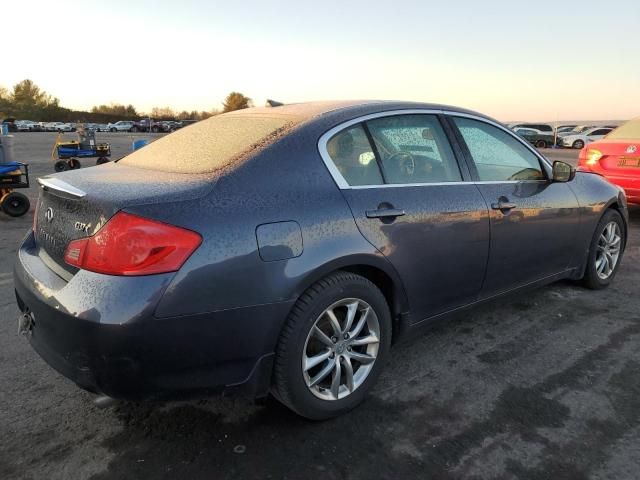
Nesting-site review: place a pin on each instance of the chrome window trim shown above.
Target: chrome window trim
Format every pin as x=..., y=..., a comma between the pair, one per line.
x=343, y=185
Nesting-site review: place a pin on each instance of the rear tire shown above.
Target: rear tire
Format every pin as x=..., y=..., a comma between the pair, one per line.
x=541, y=144
x=342, y=343
x=61, y=166
x=15, y=204
x=74, y=164
x=598, y=273
x=102, y=161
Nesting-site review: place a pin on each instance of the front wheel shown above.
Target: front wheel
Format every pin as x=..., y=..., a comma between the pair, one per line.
x=541, y=144
x=605, y=252
x=578, y=144
x=333, y=346
x=113, y=130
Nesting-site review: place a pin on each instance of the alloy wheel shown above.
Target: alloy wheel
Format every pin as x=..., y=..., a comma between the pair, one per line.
x=608, y=250
x=341, y=349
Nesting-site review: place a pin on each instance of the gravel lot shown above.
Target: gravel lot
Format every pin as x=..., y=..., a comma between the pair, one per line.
x=543, y=385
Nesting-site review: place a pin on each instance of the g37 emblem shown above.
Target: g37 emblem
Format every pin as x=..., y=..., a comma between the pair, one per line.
x=83, y=227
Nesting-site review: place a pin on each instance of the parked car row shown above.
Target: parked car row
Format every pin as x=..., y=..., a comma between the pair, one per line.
x=544, y=135
x=144, y=125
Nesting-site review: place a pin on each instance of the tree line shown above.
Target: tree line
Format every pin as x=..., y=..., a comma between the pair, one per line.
x=27, y=101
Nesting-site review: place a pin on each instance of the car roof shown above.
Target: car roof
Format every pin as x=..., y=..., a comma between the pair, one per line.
x=341, y=109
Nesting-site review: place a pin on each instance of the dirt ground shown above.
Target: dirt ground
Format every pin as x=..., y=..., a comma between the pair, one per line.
x=544, y=385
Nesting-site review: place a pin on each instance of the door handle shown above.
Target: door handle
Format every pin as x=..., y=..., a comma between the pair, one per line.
x=385, y=213
x=503, y=205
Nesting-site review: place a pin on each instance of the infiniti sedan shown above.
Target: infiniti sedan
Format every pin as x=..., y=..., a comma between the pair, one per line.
x=283, y=250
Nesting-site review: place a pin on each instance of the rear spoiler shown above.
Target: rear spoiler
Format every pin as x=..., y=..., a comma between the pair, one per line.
x=57, y=185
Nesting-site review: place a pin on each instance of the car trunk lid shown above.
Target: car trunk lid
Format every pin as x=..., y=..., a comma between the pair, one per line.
x=78, y=203
x=621, y=157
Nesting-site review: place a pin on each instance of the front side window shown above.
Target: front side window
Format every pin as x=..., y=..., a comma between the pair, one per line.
x=497, y=155
x=353, y=156
x=413, y=149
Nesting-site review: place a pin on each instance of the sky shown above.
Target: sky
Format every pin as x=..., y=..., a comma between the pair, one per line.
x=541, y=60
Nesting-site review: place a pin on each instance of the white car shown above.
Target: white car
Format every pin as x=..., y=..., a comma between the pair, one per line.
x=58, y=127
x=23, y=125
x=67, y=127
x=579, y=140
x=574, y=130
x=121, y=126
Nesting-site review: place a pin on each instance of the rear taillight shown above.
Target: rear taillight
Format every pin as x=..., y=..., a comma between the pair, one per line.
x=588, y=158
x=132, y=245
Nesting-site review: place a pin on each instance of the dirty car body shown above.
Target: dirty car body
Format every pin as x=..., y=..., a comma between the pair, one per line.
x=276, y=216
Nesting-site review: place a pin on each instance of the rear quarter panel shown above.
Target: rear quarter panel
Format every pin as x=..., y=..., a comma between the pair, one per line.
x=286, y=182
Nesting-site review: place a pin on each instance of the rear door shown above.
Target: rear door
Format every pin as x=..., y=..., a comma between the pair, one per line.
x=534, y=221
x=412, y=200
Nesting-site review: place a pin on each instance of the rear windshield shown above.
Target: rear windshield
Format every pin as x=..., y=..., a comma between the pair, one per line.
x=628, y=131
x=206, y=146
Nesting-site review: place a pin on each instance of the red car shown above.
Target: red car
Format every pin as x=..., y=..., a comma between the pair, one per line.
x=617, y=158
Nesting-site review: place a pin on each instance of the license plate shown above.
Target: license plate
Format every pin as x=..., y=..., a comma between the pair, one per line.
x=629, y=162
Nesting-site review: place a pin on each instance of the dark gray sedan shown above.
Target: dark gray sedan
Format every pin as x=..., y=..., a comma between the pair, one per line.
x=285, y=249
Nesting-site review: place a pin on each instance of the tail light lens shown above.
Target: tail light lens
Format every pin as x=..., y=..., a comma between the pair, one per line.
x=131, y=245
x=588, y=158
x=593, y=156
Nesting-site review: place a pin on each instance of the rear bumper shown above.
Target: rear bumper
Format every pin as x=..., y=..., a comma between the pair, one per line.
x=630, y=185
x=100, y=332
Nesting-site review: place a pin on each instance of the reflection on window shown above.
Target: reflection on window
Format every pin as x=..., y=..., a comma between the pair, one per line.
x=497, y=155
x=353, y=156
x=413, y=149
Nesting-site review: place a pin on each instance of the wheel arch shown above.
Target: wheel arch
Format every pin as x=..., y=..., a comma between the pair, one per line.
x=374, y=268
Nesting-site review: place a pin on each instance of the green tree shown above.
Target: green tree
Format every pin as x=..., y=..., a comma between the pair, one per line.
x=28, y=101
x=4, y=102
x=163, y=113
x=116, y=109
x=235, y=101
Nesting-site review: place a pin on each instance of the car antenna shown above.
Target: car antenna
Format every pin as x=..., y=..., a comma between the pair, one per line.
x=273, y=103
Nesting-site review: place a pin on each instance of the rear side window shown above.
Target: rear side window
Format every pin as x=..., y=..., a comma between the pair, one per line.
x=497, y=155
x=353, y=156
x=413, y=149
x=208, y=145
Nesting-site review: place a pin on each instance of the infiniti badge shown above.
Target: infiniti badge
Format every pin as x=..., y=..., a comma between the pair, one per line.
x=632, y=149
x=49, y=214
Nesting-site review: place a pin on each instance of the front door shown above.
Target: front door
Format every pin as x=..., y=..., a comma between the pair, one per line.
x=409, y=199
x=534, y=222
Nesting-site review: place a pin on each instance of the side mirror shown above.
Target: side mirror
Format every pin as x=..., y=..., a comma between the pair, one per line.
x=563, y=172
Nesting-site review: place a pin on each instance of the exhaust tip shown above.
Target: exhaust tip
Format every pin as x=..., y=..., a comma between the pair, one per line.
x=104, y=402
